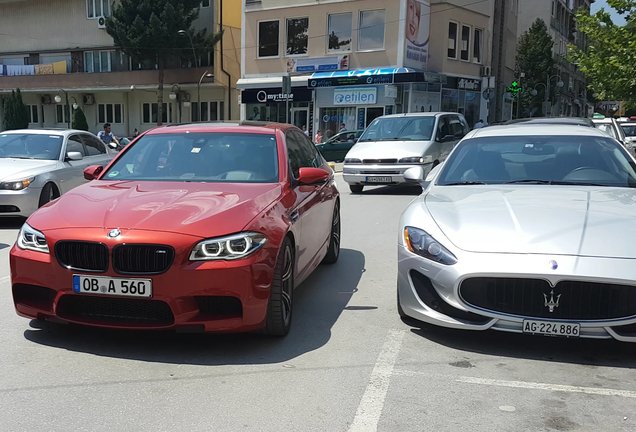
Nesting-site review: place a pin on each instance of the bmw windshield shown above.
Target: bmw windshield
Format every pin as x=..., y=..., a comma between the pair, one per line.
x=30, y=146
x=400, y=129
x=202, y=157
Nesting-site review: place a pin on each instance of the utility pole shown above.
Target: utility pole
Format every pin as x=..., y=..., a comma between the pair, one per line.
x=286, y=92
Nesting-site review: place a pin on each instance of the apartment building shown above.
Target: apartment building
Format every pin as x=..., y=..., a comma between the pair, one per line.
x=59, y=50
x=351, y=61
x=559, y=16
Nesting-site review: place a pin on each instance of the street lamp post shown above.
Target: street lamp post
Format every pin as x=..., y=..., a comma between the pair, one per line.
x=206, y=74
x=58, y=99
x=194, y=53
x=559, y=84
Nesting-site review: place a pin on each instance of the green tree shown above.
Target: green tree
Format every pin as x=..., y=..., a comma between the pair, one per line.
x=534, y=59
x=16, y=113
x=79, y=120
x=610, y=59
x=148, y=31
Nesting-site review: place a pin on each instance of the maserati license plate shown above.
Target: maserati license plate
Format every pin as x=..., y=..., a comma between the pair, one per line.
x=379, y=179
x=551, y=328
x=112, y=286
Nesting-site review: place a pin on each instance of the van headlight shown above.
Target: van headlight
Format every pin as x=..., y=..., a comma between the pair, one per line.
x=32, y=239
x=228, y=248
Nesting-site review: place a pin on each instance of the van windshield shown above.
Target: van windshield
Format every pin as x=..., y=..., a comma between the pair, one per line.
x=399, y=129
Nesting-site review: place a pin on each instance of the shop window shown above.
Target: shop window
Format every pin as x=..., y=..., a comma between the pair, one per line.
x=464, y=54
x=452, y=40
x=450, y=100
x=297, y=36
x=478, y=45
x=339, y=32
x=110, y=113
x=33, y=114
x=150, y=113
x=332, y=119
x=371, y=30
x=268, y=38
x=209, y=111
x=63, y=114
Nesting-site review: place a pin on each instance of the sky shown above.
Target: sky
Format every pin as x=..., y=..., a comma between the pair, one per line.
x=616, y=18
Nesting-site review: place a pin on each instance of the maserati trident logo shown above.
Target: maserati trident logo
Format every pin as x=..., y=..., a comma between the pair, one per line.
x=114, y=233
x=551, y=305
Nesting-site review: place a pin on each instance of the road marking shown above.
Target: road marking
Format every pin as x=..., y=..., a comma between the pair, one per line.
x=550, y=387
x=370, y=408
x=2, y=279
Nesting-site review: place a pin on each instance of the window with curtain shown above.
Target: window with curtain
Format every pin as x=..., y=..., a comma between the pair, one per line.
x=452, y=40
x=464, y=53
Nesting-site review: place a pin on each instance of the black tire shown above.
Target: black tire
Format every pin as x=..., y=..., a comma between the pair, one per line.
x=333, y=253
x=355, y=188
x=279, y=309
x=49, y=193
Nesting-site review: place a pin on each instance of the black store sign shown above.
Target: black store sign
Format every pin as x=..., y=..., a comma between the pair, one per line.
x=274, y=94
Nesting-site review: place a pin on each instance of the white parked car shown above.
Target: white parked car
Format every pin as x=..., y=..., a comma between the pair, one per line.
x=37, y=166
x=394, y=143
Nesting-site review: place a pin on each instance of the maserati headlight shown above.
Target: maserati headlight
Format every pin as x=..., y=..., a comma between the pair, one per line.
x=228, y=248
x=415, y=160
x=32, y=239
x=17, y=185
x=420, y=242
x=353, y=161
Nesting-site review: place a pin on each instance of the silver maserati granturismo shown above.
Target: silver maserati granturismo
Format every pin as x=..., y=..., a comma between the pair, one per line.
x=525, y=229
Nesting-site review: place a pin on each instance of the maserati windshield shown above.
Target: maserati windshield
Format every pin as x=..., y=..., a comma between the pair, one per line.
x=399, y=129
x=201, y=157
x=30, y=146
x=550, y=160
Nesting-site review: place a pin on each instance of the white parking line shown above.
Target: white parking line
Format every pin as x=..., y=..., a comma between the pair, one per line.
x=370, y=408
x=6, y=278
x=549, y=387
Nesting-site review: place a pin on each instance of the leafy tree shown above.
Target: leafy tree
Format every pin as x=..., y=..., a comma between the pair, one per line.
x=534, y=59
x=79, y=120
x=610, y=60
x=148, y=31
x=16, y=113
x=335, y=43
x=297, y=36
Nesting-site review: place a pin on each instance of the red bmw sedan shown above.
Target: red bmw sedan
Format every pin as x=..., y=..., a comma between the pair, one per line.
x=194, y=227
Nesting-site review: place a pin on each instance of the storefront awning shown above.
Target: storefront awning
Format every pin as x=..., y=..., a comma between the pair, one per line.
x=372, y=76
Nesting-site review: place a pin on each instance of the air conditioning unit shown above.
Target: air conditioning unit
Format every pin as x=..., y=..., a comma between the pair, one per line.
x=46, y=100
x=485, y=71
x=88, y=99
x=101, y=22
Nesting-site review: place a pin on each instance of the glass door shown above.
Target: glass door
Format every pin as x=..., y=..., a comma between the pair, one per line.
x=373, y=113
x=300, y=117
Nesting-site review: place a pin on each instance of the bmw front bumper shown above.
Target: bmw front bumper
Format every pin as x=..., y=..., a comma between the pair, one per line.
x=20, y=203
x=430, y=292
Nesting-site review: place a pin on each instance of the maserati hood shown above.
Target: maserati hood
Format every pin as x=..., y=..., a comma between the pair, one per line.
x=198, y=209
x=559, y=220
x=19, y=169
x=388, y=149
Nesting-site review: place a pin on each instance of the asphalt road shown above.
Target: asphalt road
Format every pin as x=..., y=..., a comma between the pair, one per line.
x=349, y=363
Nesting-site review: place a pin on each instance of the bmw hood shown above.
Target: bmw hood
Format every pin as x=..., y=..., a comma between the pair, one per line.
x=198, y=209
x=387, y=149
x=19, y=169
x=559, y=220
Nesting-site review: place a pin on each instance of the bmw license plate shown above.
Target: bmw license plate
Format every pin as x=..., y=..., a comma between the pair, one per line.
x=551, y=328
x=379, y=179
x=112, y=286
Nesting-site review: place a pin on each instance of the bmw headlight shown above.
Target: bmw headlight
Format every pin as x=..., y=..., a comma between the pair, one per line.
x=420, y=242
x=17, y=185
x=228, y=248
x=32, y=239
x=353, y=161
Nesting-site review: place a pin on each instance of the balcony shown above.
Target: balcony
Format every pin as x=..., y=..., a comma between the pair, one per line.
x=101, y=81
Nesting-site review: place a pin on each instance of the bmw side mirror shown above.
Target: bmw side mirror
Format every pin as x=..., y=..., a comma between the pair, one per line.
x=74, y=156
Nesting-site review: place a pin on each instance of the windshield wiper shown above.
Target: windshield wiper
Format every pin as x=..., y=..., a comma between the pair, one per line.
x=464, y=183
x=572, y=183
x=530, y=181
